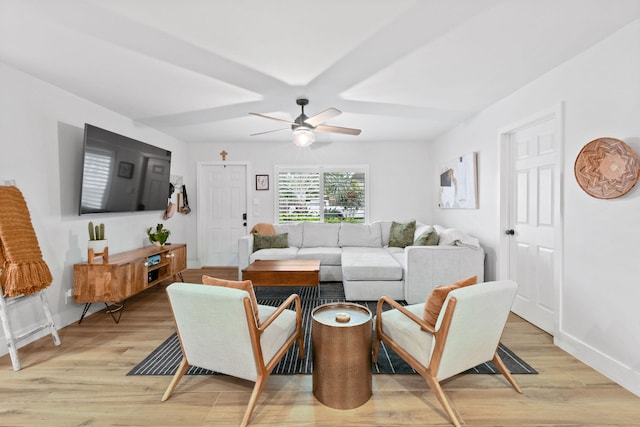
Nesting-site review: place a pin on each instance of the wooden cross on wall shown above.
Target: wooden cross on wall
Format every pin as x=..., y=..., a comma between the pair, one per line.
x=223, y=154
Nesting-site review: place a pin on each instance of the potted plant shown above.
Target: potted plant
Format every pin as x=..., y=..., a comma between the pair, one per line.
x=97, y=242
x=158, y=236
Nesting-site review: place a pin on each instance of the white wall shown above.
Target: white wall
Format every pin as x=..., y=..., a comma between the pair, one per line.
x=398, y=172
x=41, y=130
x=600, y=292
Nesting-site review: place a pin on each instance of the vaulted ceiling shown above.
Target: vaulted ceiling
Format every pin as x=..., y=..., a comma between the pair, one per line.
x=398, y=69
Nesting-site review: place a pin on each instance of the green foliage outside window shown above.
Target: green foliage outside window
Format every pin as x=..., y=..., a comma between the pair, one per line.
x=343, y=196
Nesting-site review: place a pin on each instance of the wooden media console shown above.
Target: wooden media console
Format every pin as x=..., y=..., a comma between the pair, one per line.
x=123, y=275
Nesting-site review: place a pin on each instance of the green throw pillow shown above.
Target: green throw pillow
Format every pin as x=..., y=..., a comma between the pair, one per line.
x=266, y=242
x=428, y=238
x=401, y=235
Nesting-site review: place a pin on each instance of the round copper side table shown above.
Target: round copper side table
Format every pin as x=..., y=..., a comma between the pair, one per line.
x=341, y=348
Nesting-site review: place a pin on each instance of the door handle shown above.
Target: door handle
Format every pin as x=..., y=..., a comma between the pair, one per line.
x=510, y=232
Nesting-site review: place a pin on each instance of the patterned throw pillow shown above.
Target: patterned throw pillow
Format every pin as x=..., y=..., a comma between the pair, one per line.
x=401, y=235
x=265, y=242
x=428, y=238
x=438, y=295
x=244, y=285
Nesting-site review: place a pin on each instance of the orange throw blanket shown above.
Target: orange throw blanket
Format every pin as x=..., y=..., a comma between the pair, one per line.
x=263, y=229
x=24, y=271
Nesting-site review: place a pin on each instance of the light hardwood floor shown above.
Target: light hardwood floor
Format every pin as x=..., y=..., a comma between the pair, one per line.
x=83, y=383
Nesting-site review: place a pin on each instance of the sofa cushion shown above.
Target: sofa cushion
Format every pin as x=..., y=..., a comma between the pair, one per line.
x=385, y=230
x=401, y=234
x=362, y=235
x=274, y=254
x=244, y=285
x=369, y=264
x=420, y=228
x=399, y=255
x=434, y=303
x=294, y=230
x=428, y=237
x=265, y=242
x=320, y=235
x=326, y=255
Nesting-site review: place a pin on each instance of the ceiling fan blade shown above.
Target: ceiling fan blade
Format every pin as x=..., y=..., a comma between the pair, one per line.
x=322, y=117
x=269, y=131
x=273, y=118
x=337, y=129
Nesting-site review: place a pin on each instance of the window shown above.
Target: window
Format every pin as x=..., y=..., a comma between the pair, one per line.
x=321, y=194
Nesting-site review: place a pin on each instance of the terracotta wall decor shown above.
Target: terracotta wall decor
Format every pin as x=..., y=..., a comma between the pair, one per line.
x=607, y=168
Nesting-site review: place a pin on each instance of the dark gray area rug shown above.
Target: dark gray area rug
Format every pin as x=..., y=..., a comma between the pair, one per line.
x=165, y=359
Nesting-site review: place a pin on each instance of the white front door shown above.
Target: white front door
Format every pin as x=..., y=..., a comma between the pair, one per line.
x=532, y=231
x=222, y=210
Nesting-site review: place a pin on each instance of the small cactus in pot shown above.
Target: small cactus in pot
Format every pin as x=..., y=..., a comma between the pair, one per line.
x=97, y=232
x=97, y=241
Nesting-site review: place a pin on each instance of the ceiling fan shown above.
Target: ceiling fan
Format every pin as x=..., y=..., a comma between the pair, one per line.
x=304, y=126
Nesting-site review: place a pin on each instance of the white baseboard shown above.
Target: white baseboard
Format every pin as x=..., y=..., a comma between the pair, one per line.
x=624, y=375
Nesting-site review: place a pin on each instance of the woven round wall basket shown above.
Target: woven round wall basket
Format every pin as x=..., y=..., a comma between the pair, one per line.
x=607, y=168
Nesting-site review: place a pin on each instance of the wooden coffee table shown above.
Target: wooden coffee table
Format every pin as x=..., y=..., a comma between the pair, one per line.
x=294, y=272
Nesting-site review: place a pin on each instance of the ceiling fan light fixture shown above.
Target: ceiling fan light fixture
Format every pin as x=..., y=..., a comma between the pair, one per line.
x=303, y=136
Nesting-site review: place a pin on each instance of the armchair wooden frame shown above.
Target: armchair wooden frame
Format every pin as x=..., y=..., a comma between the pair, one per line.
x=263, y=369
x=430, y=373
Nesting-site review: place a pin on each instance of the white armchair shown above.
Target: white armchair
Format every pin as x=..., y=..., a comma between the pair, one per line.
x=218, y=331
x=466, y=334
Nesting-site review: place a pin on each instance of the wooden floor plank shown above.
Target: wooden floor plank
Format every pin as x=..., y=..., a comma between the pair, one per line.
x=84, y=382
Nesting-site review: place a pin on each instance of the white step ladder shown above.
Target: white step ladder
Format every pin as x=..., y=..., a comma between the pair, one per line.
x=12, y=341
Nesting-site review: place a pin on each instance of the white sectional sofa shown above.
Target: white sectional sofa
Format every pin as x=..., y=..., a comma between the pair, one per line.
x=359, y=255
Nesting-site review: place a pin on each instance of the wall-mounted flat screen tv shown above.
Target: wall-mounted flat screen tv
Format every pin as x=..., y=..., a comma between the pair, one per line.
x=121, y=174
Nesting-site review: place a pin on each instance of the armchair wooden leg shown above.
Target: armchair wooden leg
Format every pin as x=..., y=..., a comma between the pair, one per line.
x=182, y=369
x=442, y=398
x=497, y=360
x=257, y=389
x=301, y=346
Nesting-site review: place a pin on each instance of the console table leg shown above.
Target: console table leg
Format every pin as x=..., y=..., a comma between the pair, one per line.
x=84, y=311
x=119, y=308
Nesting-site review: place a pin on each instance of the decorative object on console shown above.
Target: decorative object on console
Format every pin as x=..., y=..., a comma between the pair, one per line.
x=158, y=236
x=607, y=168
x=458, y=183
x=97, y=246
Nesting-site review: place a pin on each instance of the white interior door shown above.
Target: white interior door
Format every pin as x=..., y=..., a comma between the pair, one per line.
x=534, y=221
x=222, y=210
